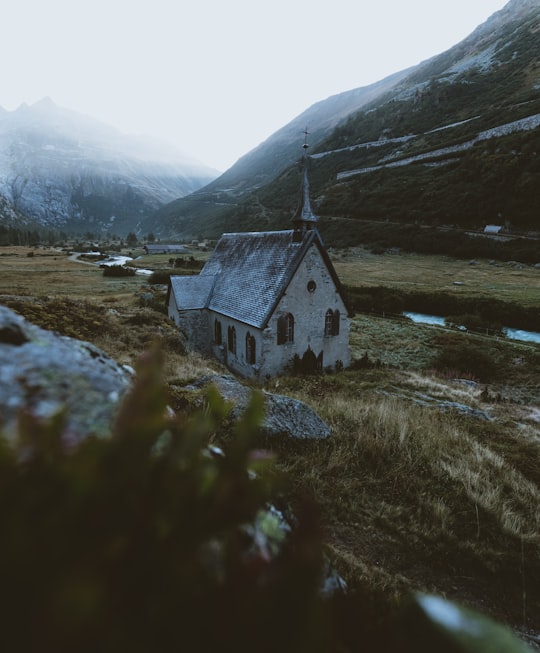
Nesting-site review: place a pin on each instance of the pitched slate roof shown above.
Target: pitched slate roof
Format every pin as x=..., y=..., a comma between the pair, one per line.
x=192, y=292
x=252, y=271
x=247, y=274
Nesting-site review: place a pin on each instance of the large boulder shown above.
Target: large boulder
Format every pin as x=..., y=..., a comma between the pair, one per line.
x=43, y=373
x=282, y=416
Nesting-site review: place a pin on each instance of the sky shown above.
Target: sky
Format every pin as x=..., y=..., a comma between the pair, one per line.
x=215, y=77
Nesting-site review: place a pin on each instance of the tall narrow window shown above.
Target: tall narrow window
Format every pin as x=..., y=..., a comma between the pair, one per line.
x=231, y=339
x=285, y=329
x=331, y=323
x=218, y=338
x=250, y=349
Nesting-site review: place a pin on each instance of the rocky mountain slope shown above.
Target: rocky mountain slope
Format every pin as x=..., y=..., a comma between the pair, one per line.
x=455, y=140
x=67, y=171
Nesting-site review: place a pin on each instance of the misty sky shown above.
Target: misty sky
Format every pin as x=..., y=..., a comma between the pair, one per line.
x=215, y=77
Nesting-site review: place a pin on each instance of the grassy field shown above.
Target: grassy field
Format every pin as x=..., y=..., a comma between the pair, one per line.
x=52, y=272
x=430, y=480
x=506, y=281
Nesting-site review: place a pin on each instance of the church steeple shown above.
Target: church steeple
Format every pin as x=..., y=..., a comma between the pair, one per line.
x=304, y=218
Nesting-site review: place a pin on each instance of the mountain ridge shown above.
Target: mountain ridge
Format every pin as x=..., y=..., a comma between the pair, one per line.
x=489, y=79
x=66, y=170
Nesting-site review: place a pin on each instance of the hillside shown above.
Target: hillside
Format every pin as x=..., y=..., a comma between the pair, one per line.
x=64, y=170
x=263, y=164
x=455, y=141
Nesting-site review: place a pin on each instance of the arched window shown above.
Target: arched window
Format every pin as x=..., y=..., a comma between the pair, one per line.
x=218, y=338
x=285, y=329
x=331, y=323
x=231, y=339
x=251, y=355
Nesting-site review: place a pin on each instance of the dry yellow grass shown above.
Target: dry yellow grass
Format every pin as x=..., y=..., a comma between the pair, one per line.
x=417, y=497
x=51, y=272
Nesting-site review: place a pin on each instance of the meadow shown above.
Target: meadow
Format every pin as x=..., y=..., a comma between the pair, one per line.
x=430, y=480
x=478, y=278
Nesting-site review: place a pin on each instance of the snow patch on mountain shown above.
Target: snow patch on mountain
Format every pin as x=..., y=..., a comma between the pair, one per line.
x=59, y=166
x=482, y=61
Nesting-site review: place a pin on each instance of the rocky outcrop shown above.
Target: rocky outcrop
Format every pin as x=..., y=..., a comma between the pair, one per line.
x=283, y=415
x=42, y=373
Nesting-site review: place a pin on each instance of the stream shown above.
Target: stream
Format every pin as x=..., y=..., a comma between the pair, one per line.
x=513, y=334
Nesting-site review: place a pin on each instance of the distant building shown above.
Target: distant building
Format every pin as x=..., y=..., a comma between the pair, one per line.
x=164, y=249
x=492, y=229
x=267, y=301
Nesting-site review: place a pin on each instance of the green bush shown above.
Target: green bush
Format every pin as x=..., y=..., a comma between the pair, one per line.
x=466, y=360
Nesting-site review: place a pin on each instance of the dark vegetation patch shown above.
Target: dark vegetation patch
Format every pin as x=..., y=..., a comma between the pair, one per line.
x=488, y=310
x=69, y=317
x=381, y=236
x=118, y=271
x=163, y=276
x=466, y=359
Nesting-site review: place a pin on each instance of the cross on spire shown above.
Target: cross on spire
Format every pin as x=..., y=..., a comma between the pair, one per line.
x=306, y=134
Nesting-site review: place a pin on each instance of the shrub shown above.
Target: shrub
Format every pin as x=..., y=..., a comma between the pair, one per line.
x=160, y=277
x=118, y=271
x=466, y=359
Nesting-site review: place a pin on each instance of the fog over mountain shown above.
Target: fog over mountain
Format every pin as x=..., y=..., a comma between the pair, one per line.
x=66, y=170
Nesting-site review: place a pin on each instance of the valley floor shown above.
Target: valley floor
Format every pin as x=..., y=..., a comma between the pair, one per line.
x=429, y=481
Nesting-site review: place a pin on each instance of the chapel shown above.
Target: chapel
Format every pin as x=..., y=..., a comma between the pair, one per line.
x=267, y=302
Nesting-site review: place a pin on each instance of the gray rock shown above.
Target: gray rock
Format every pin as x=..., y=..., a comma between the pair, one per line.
x=43, y=373
x=429, y=401
x=283, y=415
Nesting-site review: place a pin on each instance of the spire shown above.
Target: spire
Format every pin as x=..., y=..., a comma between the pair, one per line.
x=304, y=218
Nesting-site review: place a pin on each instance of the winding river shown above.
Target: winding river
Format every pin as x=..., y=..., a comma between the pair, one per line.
x=514, y=334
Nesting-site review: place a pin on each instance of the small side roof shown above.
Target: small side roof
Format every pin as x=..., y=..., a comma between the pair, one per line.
x=192, y=292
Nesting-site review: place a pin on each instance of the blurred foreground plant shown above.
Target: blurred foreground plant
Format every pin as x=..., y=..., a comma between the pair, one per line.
x=155, y=540
x=139, y=541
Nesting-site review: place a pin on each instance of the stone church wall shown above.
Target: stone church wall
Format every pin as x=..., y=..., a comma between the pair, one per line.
x=311, y=293
x=194, y=325
x=236, y=361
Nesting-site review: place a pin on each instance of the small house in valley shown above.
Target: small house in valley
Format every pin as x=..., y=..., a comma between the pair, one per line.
x=493, y=229
x=267, y=301
x=162, y=248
